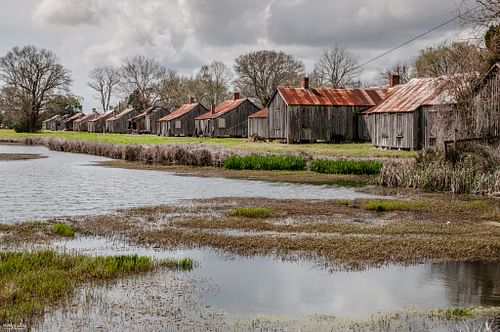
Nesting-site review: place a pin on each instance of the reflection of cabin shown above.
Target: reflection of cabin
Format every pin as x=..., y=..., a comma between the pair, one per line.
x=98, y=124
x=146, y=122
x=324, y=114
x=487, y=104
x=258, y=124
x=119, y=123
x=181, y=122
x=82, y=123
x=228, y=119
x=407, y=117
x=68, y=123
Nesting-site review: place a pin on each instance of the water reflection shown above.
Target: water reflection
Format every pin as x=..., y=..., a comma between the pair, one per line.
x=66, y=184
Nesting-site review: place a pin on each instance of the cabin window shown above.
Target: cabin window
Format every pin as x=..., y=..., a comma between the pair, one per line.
x=432, y=141
x=178, y=124
x=222, y=123
x=399, y=125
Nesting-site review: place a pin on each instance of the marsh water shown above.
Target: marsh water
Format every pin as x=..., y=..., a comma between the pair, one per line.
x=67, y=184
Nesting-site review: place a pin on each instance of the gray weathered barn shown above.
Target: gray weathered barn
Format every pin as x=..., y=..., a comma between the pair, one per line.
x=258, y=124
x=323, y=114
x=82, y=123
x=407, y=117
x=181, y=122
x=228, y=119
x=119, y=123
x=98, y=124
x=487, y=104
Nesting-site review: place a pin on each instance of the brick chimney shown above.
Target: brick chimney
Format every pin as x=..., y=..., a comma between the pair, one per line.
x=212, y=109
x=191, y=100
x=305, y=83
x=236, y=96
x=394, y=79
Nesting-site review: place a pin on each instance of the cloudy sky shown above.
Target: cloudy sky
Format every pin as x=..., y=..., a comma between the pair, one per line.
x=185, y=34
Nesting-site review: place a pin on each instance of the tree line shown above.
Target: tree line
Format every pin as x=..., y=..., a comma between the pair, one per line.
x=36, y=86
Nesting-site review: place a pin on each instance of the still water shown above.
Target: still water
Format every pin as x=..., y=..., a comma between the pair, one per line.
x=68, y=184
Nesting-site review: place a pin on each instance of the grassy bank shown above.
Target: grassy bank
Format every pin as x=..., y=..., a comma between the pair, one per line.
x=331, y=150
x=32, y=281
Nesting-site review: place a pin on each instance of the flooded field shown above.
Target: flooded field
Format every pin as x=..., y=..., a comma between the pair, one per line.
x=321, y=258
x=67, y=184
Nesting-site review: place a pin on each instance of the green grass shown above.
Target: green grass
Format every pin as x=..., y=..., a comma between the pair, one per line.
x=357, y=167
x=459, y=313
x=394, y=205
x=251, y=212
x=31, y=281
x=268, y=163
x=63, y=230
x=320, y=149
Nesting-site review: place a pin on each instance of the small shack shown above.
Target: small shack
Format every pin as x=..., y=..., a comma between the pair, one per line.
x=50, y=124
x=68, y=123
x=181, y=122
x=319, y=114
x=487, y=104
x=258, y=124
x=98, y=124
x=147, y=121
x=82, y=123
x=228, y=119
x=119, y=123
x=407, y=117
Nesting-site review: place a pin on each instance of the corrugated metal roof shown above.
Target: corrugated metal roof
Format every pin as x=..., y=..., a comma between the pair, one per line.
x=222, y=108
x=140, y=116
x=412, y=95
x=122, y=114
x=262, y=114
x=103, y=115
x=331, y=97
x=86, y=117
x=184, y=109
x=75, y=117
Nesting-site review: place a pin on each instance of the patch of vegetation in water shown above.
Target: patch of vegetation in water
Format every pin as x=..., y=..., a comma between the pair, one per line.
x=357, y=167
x=31, y=281
x=63, y=230
x=251, y=212
x=269, y=163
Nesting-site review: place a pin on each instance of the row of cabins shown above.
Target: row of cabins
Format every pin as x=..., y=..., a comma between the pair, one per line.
x=61, y=122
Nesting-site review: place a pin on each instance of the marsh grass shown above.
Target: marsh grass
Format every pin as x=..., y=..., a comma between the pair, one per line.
x=268, y=163
x=63, y=230
x=357, y=167
x=459, y=312
x=251, y=212
x=394, y=205
x=32, y=281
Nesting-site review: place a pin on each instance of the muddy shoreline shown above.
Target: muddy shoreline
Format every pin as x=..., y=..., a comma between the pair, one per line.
x=19, y=156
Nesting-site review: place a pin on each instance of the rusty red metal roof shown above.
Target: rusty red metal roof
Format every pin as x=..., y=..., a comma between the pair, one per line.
x=75, y=117
x=331, y=96
x=262, y=114
x=222, y=108
x=412, y=95
x=87, y=117
x=184, y=109
x=122, y=114
x=103, y=115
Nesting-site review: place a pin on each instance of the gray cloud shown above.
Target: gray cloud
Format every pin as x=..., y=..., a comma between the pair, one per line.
x=68, y=13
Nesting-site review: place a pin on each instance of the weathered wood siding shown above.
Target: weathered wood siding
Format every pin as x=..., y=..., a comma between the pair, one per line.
x=204, y=127
x=395, y=130
x=487, y=107
x=120, y=126
x=235, y=122
x=187, y=123
x=258, y=127
x=277, y=120
x=152, y=125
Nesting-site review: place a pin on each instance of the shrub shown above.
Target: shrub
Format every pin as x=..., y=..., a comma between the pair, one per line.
x=63, y=230
x=357, y=167
x=250, y=212
x=270, y=163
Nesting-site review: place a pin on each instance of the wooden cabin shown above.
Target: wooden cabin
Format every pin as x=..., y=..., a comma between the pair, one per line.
x=181, y=122
x=49, y=124
x=82, y=123
x=228, y=119
x=407, y=117
x=319, y=114
x=60, y=123
x=147, y=121
x=67, y=124
x=258, y=124
x=98, y=124
x=486, y=105
x=119, y=123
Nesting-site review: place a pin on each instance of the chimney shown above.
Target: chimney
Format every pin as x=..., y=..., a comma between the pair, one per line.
x=236, y=96
x=305, y=83
x=212, y=109
x=394, y=79
x=191, y=99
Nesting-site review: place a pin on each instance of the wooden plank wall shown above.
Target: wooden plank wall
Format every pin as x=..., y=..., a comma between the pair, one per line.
x=236, y=121
x=258, y=127
x=187, y=123
x=277, y=120
x=394, y=130
x=487, y=108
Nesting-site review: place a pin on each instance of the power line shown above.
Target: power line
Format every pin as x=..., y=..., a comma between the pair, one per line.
x=414, y=38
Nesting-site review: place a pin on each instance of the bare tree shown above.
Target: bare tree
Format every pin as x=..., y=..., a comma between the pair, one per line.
x=143, y=76
x=214, y=80
x=260, y=73
x=337, y=68
x=32, y=76
x=403, y=69
x=173, y=91
x=104, y=80
x=485, y=12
